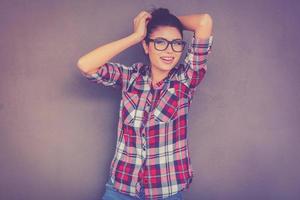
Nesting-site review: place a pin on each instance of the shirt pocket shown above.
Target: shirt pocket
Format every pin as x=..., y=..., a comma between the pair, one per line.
x=167, y=106
x=130, y=106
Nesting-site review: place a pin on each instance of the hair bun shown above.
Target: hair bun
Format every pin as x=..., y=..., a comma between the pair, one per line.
x=162, y=17
x=160, y=12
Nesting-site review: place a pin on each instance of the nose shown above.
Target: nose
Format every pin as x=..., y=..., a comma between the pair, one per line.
x=169, y=48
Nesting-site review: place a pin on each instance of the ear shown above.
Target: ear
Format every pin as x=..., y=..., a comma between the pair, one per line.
x=145, y=46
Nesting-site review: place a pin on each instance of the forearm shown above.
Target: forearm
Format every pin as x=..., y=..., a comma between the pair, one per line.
x=201, y=24
x=90, y=62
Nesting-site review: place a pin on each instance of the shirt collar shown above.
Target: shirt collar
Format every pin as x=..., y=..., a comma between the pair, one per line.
x=146, y=71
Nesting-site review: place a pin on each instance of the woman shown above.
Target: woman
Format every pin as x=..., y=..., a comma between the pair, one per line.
x=152, y=160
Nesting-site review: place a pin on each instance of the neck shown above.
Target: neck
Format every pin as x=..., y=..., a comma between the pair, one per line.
x=158, y=75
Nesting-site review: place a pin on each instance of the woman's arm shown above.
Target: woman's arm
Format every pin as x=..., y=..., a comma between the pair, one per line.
x=196, y=59
x=90, y=62
x=201, y=24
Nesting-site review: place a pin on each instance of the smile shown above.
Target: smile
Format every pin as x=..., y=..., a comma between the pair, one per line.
x=167, y=59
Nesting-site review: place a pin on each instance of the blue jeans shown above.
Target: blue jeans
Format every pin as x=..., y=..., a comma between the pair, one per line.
x=112, y=194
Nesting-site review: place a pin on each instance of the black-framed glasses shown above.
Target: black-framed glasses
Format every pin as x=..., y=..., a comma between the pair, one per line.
x=162, y=44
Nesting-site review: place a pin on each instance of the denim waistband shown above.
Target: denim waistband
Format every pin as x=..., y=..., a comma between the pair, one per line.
x=141, y=194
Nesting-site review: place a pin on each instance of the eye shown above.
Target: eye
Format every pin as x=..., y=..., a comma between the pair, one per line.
x=160, y=41
x=178, y=42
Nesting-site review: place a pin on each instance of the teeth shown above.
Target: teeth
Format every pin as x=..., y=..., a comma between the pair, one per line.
x=167, y=58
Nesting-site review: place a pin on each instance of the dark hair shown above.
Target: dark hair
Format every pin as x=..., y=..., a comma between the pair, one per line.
x=162, y=17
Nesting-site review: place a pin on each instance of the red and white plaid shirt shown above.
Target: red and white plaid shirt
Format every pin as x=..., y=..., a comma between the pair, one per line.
x=152, y=147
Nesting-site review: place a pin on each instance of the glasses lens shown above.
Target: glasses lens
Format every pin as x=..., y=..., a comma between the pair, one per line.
x=178, y=45
x=160, y=44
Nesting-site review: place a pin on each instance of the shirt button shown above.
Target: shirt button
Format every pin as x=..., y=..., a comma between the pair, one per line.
x=143, y=155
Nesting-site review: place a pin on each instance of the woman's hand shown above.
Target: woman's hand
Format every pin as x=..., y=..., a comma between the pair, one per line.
x=140, y=24
x=90, y=62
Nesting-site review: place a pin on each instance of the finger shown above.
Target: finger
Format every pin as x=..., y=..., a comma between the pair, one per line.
x=141, y=13
x=146, y=17
x=145, y=14
x=142, y=17
x=139, y=17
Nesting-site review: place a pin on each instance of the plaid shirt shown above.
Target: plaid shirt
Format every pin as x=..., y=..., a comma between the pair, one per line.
x=152, y=147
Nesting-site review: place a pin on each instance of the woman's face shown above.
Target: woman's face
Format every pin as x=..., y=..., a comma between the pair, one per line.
x=163, y=60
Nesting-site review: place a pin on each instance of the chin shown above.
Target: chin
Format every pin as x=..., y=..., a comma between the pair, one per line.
x=166, y=67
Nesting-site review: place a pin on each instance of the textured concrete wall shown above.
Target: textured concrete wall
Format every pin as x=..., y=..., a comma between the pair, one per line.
x=58, y=130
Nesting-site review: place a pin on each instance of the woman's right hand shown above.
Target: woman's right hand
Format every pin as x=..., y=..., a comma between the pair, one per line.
x=140, y=24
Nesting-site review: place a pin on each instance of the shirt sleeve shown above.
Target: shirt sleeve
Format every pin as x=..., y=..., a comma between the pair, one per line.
x=110, y=74
x=195, y=62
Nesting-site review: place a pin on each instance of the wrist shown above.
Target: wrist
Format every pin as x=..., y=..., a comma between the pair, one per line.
x=136, y=37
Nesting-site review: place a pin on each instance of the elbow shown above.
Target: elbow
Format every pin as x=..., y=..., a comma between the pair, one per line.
x=79, y=63
x=84, y=69
x=204, y=28
x=80, y=66
x=205, y=20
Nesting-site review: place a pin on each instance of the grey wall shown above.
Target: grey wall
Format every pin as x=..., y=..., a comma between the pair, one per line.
x=58, y=130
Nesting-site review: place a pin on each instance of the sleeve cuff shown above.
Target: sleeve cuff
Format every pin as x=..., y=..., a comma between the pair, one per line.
x=198, y=43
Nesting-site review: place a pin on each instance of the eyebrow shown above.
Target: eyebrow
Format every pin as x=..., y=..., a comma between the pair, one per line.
x=167, y=39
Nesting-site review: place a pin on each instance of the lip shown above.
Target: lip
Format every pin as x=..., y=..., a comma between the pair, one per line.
x=167, y=59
